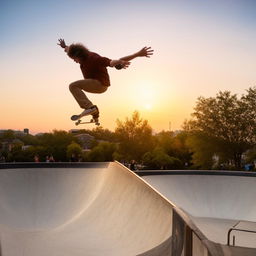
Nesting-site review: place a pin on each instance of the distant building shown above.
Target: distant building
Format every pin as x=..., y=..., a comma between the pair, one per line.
x=25, y=147
x=176, y=132
x=74, y=131
x=85, y=140
x=40, y=134
x=26, y=131
x=9, y=145
x=16, y=132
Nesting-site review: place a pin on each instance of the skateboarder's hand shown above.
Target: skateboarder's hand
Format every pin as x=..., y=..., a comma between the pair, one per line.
x=120, y=64
x=125, y=64
x=62, y=43
x=145, y=52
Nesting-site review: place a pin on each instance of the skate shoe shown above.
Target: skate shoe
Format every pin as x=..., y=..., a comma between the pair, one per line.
x=93, y=110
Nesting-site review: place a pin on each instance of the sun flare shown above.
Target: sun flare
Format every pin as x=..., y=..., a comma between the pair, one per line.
x=148, y=106
x=145, y=96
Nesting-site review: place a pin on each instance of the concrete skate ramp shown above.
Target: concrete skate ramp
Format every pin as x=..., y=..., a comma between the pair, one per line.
x=215, y=201
x=100, y=209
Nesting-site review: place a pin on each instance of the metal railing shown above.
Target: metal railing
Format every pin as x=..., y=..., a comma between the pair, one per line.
x=240, y=226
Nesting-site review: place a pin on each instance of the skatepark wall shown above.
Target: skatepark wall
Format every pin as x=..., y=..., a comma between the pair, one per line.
x=80, y=209
x=91, y=209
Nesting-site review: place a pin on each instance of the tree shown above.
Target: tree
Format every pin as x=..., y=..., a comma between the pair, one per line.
x=135, y=137
x=56, y=143
x=74, y=150
x=228, y=122
x=158, y=159
x=102, y=152
x=174, y=145
x=28, y=139
x=250, y=155
x=28, y=154
x=8, y=135
x=204, y=149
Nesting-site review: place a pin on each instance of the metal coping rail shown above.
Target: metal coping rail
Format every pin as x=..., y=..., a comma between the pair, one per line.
x=196, y=172
x=237, y=229
x=29, y=165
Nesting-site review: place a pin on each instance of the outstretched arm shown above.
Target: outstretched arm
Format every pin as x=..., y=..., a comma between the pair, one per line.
x=144, y=52
x=124, y=62
x=62, y=44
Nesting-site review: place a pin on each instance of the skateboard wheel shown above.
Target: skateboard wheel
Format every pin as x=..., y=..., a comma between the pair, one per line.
x=78, y=122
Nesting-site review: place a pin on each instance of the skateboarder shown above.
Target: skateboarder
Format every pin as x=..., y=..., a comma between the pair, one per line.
x=94, y=69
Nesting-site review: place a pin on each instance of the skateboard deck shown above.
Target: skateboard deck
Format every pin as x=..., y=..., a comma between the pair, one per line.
x=93, y=120
x=78, y=119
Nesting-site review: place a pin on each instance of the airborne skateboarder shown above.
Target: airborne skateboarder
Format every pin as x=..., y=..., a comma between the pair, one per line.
x=94, y=69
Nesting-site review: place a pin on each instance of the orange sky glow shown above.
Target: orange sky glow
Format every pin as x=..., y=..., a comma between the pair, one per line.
x=201, y=48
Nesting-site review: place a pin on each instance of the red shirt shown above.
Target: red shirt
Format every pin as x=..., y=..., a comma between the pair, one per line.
x=95, y=67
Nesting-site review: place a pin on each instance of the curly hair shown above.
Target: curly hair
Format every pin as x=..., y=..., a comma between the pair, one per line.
x=78, y=51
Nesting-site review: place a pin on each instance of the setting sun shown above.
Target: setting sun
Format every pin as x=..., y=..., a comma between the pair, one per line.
x=148, y=106
x=145, y=96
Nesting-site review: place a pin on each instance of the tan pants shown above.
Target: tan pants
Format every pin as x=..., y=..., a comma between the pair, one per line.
x=88, y=85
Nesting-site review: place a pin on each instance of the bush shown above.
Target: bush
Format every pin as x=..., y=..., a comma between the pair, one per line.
x=158, y=159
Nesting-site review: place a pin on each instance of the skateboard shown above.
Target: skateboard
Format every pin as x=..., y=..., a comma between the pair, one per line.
x=94, y=119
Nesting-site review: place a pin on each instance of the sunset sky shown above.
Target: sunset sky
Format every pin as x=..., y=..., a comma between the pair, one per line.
x=201, y=47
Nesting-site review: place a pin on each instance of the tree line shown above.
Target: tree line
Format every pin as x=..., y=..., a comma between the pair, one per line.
x=221, y=134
